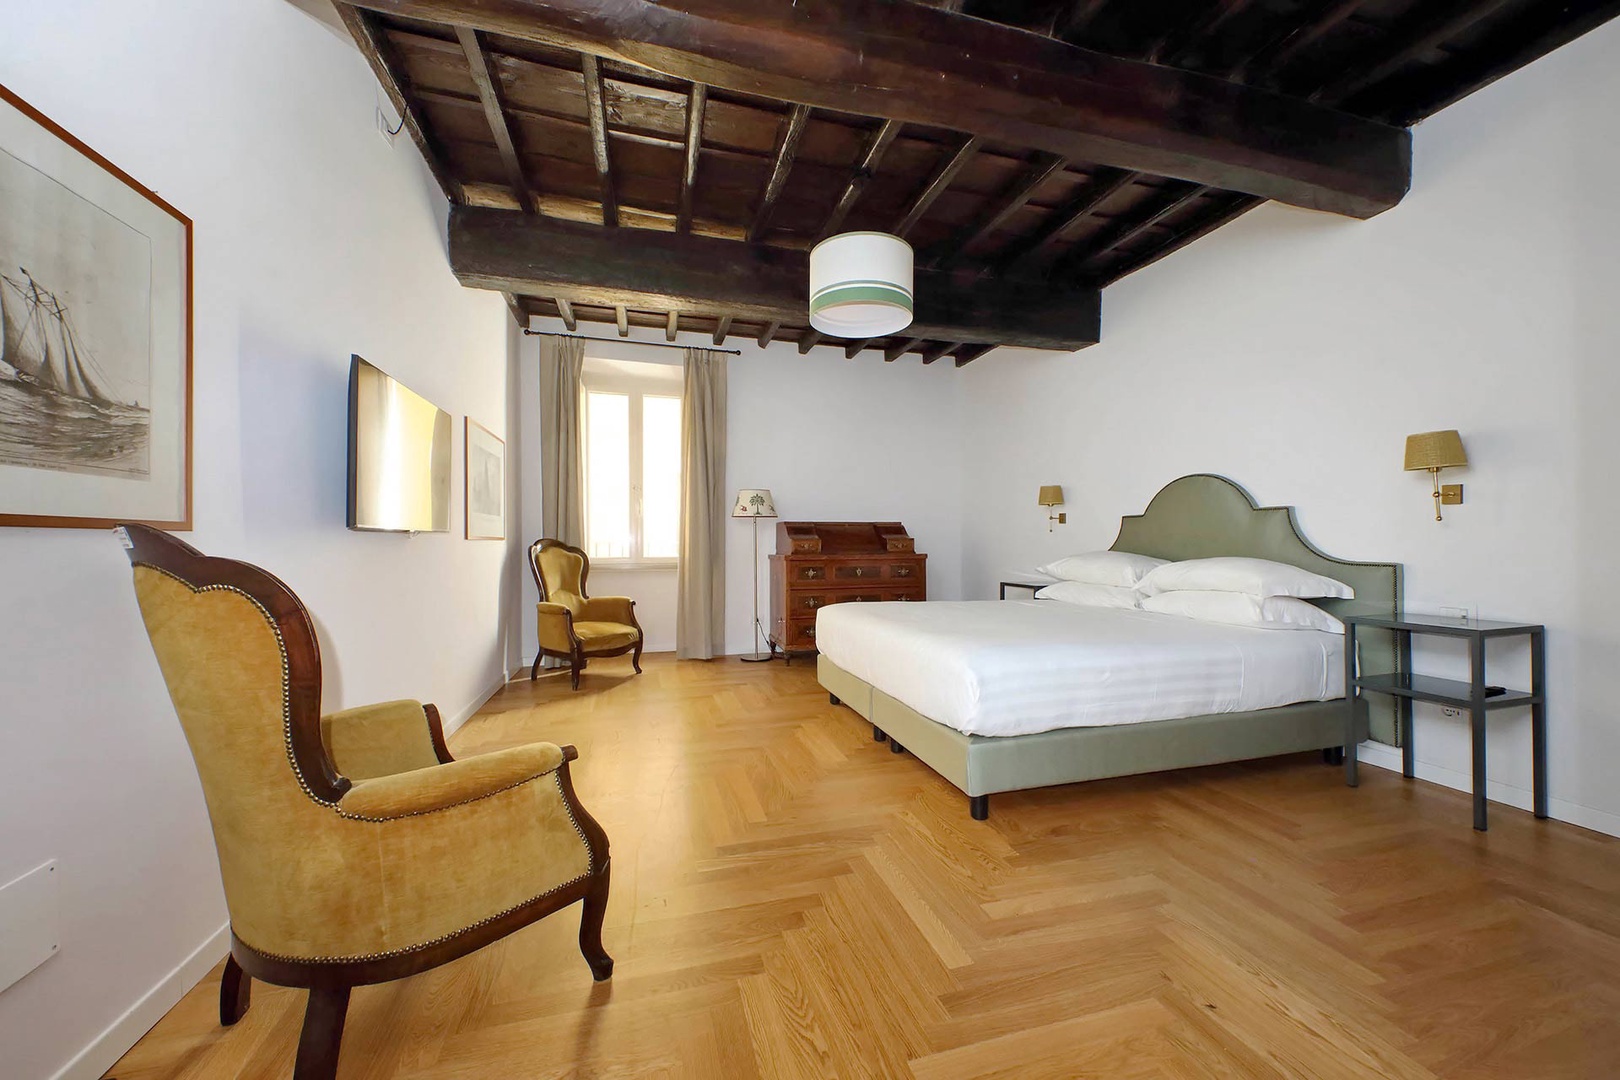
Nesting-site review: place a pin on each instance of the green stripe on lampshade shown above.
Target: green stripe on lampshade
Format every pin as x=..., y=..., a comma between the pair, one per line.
x=858, y=292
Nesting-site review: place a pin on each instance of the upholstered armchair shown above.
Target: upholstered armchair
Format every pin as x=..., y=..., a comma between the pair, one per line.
x=353, y=848
x=574, y=625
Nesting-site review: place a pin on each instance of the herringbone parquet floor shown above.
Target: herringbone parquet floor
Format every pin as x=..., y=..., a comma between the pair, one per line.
x=791, y=900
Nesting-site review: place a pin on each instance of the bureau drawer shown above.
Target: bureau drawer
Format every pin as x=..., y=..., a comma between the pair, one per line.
x=799, y=634
x=808, y=572
x=802, y=604
x=847, y=572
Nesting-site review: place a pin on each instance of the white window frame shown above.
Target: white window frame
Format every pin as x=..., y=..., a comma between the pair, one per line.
x=636, y=387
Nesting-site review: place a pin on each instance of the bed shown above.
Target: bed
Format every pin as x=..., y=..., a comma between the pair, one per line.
x=1000, y=696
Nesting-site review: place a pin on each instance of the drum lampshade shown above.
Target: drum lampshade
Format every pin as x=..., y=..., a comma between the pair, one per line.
x=860, y=285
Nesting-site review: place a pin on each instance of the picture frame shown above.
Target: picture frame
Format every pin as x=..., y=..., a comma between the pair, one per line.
x=95, y=337
x=484, y=461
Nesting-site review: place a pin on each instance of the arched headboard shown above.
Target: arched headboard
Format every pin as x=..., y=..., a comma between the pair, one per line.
x=1204, y=516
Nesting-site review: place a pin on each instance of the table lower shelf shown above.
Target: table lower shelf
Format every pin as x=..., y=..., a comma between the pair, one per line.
x=1452, y=692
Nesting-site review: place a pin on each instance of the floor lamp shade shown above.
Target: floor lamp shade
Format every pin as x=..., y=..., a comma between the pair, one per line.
x=754, y=503
x=860, y=285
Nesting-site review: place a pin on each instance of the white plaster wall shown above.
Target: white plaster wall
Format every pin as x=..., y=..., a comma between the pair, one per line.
x=314, y=239
x=834, y=440
x=1293, y=352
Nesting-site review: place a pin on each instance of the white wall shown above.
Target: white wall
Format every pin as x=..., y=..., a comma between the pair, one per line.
x=314, y=239
x=1293, y=352
x=834, y=440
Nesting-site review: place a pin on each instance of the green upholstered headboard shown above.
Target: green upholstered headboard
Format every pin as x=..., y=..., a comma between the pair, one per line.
x=1203, y=516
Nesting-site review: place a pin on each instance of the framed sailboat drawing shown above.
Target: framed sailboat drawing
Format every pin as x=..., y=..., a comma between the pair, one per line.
x=95, y=337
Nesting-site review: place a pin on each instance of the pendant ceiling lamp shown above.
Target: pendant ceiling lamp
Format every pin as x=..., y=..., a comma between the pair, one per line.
x=860, y=285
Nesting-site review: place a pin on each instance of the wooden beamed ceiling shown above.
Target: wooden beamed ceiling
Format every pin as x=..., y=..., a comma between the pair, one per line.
x=1028, y=149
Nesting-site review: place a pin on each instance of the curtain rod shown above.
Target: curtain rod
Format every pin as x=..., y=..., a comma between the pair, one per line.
x=623, y=341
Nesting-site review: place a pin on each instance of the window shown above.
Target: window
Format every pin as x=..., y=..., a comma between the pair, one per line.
x=632, y=421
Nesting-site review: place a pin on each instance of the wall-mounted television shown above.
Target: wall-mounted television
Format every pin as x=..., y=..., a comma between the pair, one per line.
x=399, y=455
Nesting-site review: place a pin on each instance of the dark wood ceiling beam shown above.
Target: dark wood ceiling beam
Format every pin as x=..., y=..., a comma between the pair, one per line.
x=855, y=348
x=1083, y=259
x=621, y=318
x=1311, y=24
x=566, y=311
x=541, y=256
x=1066, y=218
x=722, y=328
x=1175, y=43
x=871, y=159
x=490, y=97
x=1414, y=37
x=937, y=184
x=515, y=306
x=1230, y=209
x=768, y=335
x=808, y=339
x=1003, y=207
x=596, y=109
x=384, y=62
x=937, y=350
x=921, y=65
x=672, y=323
x=696, y=100
x=966, y=356
x=899, y=347
x=787, y=148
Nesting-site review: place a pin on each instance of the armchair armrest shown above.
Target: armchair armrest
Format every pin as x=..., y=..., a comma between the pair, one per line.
x=555, y=625
x=615, y=609
x=378, y=740
x=440, y=787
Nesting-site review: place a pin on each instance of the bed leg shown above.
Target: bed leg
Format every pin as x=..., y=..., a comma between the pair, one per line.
x=877, y=734
x=979, y=807
x=895, y=747
x=1333, y=755
x=832, y=699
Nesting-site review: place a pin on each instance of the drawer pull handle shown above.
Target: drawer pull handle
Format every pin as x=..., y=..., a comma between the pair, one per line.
x=812, y=601
x=904, y=571
x=810, y=573
x=809, y=631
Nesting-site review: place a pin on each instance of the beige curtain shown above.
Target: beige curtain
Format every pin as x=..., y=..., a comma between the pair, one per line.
x=700, y=582
x=562, y=467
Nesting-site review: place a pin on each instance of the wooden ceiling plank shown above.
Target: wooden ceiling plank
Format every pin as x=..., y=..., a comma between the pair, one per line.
x=871, y=159
x=380, y=55
x=899, y=347
x=543, y=256
x=1414, y=37
x=1073, y=22
x=937, y=350
x=1176, y=43
x=1065, y=219
x=966, y=356
x=936, y=185
x=808, y=339
x=695, y=102
x=672, y=323
x=1230, y=209
x=597, y=110
x=621, y=316
x=767, y=335
x=1125, y=231
x=786, y=150
x=566, y=310
x=921, y=65
x=1309, y=27
x=490, y=97
x=1003, y=207
x=855, y=348
x=722, y=329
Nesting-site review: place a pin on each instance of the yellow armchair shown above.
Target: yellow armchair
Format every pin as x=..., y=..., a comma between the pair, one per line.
x=571, y=624
x=354, y=849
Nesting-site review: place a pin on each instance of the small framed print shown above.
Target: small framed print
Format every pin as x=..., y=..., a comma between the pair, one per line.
x=95, y=337
x=486, y=483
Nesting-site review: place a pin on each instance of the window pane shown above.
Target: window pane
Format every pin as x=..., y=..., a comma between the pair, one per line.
x=660, y=477
x=607, y=475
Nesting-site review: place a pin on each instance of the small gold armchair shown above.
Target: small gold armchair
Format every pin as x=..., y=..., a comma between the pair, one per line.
x=575, y=626
x=354, y=849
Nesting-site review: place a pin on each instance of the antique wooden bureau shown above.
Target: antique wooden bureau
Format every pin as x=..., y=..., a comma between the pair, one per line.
x=835, y=562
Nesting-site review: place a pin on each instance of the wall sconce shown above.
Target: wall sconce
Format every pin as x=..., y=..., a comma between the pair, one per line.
x=1052, y=495
x=1436, y=450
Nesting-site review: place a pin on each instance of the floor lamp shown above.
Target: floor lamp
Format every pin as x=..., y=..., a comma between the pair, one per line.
x=755, y=503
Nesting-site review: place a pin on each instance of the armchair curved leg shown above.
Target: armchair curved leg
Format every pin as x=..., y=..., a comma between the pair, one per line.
x=235, y=993
x=590, y=926
x=577, y=667
x=635, y=657
x=534, y=672
x=322, y=1035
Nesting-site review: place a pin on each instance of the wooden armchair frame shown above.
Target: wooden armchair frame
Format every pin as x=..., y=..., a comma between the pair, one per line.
x=577, y=657
x=330, y=982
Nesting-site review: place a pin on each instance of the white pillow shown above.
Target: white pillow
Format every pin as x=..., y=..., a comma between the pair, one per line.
x=1089, y=595
x=1119, y=568
x=1256, y=577
x=1241, y=609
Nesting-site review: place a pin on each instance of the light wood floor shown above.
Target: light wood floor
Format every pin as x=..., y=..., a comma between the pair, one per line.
x=792, y=900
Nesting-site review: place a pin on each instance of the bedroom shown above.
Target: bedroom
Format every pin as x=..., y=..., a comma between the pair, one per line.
x=1291, y=351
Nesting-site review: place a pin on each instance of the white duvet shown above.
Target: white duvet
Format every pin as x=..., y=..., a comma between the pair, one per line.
x=1015, y=667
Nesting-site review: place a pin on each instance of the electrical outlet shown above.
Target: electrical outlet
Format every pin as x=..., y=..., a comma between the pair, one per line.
x=385, y=127
x=1447, y=710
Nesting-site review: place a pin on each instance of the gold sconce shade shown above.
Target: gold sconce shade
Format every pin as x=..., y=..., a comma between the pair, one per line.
x=1435, y=450
x=1051, y=495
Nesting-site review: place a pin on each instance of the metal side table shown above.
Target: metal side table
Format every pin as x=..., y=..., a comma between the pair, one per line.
x=1467, y=696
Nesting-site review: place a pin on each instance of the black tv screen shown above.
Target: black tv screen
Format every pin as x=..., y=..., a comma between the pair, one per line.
x=399, y=455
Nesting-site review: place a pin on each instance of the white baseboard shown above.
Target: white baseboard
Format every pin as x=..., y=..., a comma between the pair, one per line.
x=453, y=723
x=105, y=1050
x=1389, y=757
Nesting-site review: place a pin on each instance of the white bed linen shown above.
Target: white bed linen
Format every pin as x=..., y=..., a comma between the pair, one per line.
x=1015, y=667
